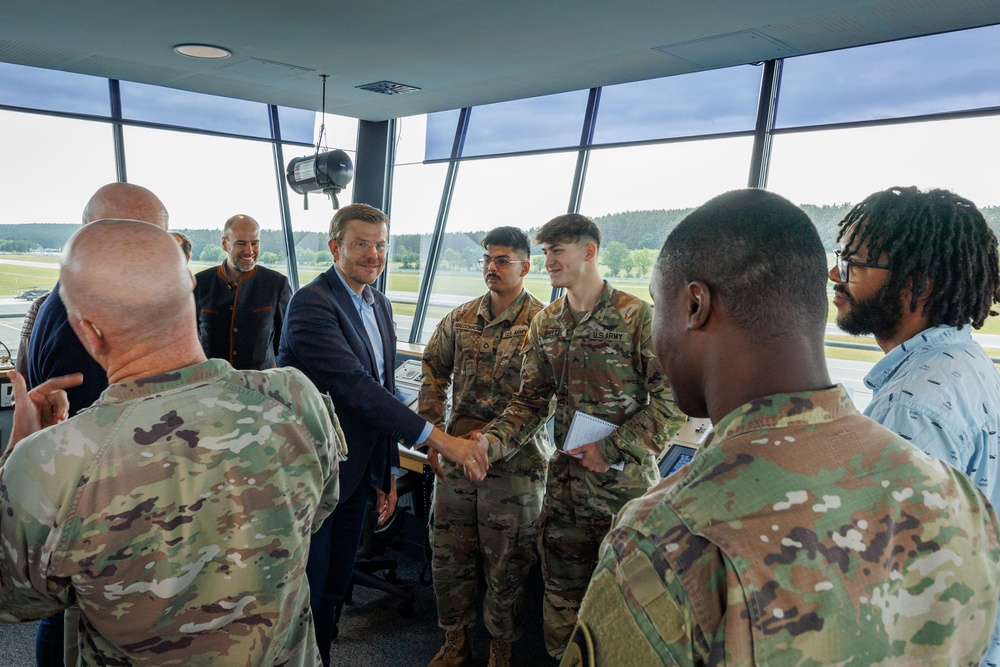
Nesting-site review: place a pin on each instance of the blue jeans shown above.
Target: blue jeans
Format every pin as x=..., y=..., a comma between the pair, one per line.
x=332, y=553
x=49, y=642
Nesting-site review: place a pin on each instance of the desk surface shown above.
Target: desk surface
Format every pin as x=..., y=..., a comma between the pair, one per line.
x=411, y=459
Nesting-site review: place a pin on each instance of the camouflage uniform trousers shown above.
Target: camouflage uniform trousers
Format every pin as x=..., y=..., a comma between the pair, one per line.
x=578, y=512
x=496, y=519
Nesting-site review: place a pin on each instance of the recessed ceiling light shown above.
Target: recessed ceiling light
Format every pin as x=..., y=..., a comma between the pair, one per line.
x=202, y=51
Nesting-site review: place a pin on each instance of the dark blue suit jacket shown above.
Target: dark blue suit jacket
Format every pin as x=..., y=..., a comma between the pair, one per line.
x=54, y=350
x=324, y=337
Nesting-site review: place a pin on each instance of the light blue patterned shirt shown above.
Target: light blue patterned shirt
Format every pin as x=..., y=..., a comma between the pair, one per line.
x=940, y=391
x=365, y=303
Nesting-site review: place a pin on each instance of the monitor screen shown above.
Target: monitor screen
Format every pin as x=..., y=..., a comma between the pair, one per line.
x=676, y=458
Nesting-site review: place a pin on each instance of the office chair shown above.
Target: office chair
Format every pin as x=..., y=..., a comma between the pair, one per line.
x=374, y=541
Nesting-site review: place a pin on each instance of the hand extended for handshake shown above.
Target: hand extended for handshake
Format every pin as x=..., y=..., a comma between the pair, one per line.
x=471, y=451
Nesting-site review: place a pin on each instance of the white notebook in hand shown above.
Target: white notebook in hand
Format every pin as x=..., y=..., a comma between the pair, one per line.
x=585, y=429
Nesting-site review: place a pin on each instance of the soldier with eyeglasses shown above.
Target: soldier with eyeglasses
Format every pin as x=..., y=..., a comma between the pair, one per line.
x=476, y=350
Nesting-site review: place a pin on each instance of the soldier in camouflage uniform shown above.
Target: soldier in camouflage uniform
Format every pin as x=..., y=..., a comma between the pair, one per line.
x=591, y=350
x=802, y=533
x=177, y=511
x=476, y=349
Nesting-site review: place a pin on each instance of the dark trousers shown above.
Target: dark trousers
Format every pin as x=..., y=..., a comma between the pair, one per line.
x=49, y=642
x=332, y=554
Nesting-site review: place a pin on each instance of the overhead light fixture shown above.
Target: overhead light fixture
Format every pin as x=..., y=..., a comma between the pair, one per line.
x=329, y=172
x=205, y=51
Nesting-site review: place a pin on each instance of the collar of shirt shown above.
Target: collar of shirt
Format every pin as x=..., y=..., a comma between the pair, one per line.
x=365, y=303
x=365, y=298
x=782, y=410
x=181, y=378
x=243, y=276
x=508, y=315
x=598, y=312
x=926, y=340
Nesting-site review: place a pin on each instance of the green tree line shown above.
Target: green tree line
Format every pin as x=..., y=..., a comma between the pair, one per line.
x=631, y=240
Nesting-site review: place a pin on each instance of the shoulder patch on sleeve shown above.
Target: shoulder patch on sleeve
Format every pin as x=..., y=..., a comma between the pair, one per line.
x=580, y=650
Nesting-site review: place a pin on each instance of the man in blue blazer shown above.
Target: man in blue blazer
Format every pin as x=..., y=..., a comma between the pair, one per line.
x=338, y=330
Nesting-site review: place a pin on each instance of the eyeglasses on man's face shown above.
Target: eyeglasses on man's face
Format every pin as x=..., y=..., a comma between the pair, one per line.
x=844, y=265
x=500, y=262
x=364, y=246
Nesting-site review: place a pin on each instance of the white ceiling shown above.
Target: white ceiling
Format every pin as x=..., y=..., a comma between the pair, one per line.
x=457, y=52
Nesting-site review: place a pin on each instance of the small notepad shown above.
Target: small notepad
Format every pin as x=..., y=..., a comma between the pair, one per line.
x=586, y=429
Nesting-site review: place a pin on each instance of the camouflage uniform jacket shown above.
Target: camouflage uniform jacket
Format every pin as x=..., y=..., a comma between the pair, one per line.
x=605, y=367
x=480, y=357
x=176, y=512
x=802, y=533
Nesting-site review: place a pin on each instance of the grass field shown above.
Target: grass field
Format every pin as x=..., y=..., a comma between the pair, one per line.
x=28, y=271
x=21, y=272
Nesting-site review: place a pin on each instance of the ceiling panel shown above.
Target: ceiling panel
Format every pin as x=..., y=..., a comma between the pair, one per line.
x=457, y=52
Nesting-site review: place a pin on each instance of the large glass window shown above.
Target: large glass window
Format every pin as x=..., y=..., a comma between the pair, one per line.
x=52, y=90
x=636, y=195
x=524, y=192
x=297, y=124
x=828, y=172
x=439, y=134
x=941, y=73
x=168, y=106
x=416, y=197
x=203, y=181
x=49, y=168
x=837, y=167
x=552, y=121
x=712, y=102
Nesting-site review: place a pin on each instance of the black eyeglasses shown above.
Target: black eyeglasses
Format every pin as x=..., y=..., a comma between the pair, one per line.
x=844, y=266
x=500, y=262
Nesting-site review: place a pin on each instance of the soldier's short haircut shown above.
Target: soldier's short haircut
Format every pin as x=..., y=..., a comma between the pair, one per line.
x=761, y=254
x=933, y=236
x=569, y=228
x=511, y=237
x=362, y=212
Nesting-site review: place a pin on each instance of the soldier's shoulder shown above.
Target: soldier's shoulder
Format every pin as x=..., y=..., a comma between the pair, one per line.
x=627, y=303
x=286, y=384
x=466, y=311
x=56, y=452
x=534, y=301
x=552, y=310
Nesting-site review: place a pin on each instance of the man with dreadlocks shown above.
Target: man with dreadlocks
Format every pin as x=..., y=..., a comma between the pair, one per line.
x=914, y=269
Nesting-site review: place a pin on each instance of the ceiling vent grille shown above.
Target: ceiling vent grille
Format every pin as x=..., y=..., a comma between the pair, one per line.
x=388, y=88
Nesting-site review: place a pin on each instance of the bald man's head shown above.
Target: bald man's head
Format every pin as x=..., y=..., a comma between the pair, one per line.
x=125, y=201
x=129, y=279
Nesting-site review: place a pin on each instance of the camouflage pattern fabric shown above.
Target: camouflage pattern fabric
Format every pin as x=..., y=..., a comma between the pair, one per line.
x=176, y=512
x=604, y=366
x=802, y=533
x=480, y=358
x=496, y=519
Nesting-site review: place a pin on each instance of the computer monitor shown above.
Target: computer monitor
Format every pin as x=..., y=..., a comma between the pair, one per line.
x=676, y=458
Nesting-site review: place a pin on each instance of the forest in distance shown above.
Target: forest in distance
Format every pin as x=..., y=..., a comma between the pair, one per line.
x=631, y=240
